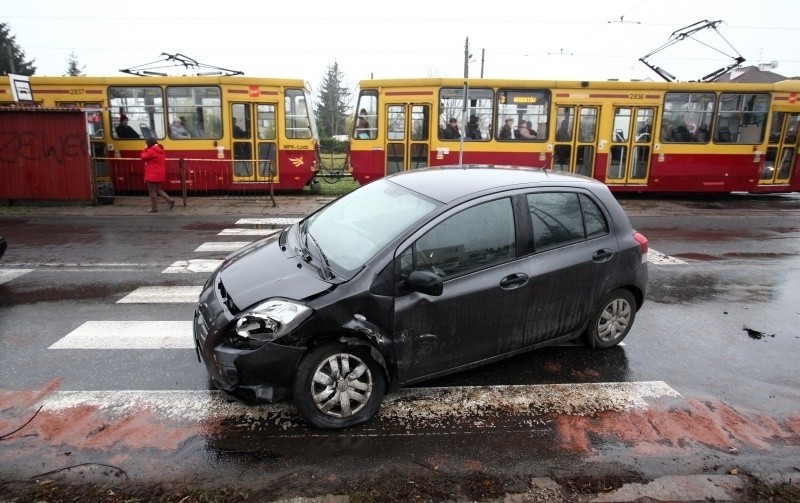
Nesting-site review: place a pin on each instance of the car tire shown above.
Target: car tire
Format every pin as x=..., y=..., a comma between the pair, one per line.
x=338, y=386
x=611, y=320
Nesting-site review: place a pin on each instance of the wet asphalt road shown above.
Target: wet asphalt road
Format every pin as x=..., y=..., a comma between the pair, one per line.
x=740, y=395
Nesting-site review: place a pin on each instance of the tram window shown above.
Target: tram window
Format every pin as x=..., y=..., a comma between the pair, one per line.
x=741, y=118
x=143, y=107
x=198, y=109
x=266, y=122
x=587, y=127
x=529, y=106
x=478, y=120
x=366, y=122
x=298, y=121
x=687, y=117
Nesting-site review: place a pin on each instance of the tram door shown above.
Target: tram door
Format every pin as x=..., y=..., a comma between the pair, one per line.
x=254, y=145
x=631, y=145
x=407, y=136
x=782, y=149
x=576, y=140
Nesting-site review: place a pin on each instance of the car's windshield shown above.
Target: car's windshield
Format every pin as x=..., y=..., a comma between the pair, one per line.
x=354, y=228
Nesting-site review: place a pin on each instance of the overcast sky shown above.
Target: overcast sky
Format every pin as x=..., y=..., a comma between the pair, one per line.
x=562, y=39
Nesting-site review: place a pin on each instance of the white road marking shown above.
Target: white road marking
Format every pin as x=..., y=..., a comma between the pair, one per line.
x=658, y=258
x=223, y=246
x=129, y=335
x=162, y=294
x=415, y=408
x=194, y=265
x=248, y=232
x=267, y=221
x=9, y=274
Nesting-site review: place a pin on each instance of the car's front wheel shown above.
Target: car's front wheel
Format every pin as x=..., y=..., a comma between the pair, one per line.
x=611, y=320
x=338, y=386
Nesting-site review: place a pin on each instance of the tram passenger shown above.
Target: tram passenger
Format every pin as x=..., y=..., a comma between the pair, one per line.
x=238, y=132
x=451, y=132
x=473, y=129
x=178, y=130
x=524, y=130
x=362, y=125
x=123, y=130
x=505, y=131
x=564, y=131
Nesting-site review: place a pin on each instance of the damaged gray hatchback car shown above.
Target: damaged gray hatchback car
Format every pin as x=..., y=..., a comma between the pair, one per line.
x=418, y=275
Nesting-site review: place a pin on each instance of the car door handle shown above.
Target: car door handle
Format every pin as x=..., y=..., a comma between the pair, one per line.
x=513, y=280
x=602, y=255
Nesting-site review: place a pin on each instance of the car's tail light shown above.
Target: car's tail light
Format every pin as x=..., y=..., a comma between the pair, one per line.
x=643, y=244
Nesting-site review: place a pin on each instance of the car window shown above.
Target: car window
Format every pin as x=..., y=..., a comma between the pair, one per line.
x=472, y=239
x=556, y=218
x=596, y=224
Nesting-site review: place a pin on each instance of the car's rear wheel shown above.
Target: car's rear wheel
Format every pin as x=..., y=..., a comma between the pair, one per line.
x=338, y=386
x=611, y=320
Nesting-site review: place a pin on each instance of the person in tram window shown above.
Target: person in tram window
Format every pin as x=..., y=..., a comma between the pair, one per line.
x=123, y=130
x=506, y=130
x=473, y=129
x=239, y=132
x=178, y=130
x=451, y=132
x=564, y=132
x=524, y=130
x=362, y=125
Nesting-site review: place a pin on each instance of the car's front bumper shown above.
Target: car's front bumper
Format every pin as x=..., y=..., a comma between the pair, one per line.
x=263, y=374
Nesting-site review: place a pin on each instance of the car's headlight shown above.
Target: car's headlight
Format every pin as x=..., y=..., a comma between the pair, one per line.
x=270, y=320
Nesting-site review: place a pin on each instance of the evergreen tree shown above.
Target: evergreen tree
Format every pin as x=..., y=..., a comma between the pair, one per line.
x=333, y=102
x=12, y=58
x=73, y=70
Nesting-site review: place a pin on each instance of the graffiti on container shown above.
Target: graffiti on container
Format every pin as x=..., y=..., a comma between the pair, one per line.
x=32, y=146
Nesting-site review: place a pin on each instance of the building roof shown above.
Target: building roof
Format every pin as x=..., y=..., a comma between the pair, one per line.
x=751, y=75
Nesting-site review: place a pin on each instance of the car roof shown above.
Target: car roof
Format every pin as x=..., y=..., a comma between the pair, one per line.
x=448, y=183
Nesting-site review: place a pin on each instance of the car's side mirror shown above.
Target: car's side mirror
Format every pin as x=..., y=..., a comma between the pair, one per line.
x=425, y=282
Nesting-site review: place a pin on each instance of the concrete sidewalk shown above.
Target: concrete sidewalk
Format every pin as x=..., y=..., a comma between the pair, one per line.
x=291, y=205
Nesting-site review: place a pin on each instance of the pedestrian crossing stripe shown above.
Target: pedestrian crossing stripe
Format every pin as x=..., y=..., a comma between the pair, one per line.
x=162, y=294
x=416, y=408
x=129, y=335
x=191, y=266
x=267, y=221
x=9, y=274
x=658, y=258
x=248, y=232
x=222, y=246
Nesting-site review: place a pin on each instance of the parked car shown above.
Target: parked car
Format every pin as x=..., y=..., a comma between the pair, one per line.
x=414, y=276
x=3, y=246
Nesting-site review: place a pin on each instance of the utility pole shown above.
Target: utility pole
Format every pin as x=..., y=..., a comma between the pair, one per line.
x=466, y=58
x=483, y=57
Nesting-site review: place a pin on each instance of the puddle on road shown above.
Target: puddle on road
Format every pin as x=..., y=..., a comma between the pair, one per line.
x=691, y=288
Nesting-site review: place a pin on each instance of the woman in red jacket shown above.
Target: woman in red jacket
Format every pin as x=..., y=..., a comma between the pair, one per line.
x=155, y=173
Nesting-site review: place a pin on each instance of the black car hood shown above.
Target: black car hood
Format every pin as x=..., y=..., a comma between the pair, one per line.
x=263, y=270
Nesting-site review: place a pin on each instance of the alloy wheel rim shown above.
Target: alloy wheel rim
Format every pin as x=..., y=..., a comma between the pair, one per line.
x=342, y=385
x=614, y=320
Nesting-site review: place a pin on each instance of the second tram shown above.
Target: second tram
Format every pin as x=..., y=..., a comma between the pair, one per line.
x=634, y=136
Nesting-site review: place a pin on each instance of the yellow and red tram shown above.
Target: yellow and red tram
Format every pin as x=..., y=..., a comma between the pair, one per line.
x=634, y=136
x=226, y=133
